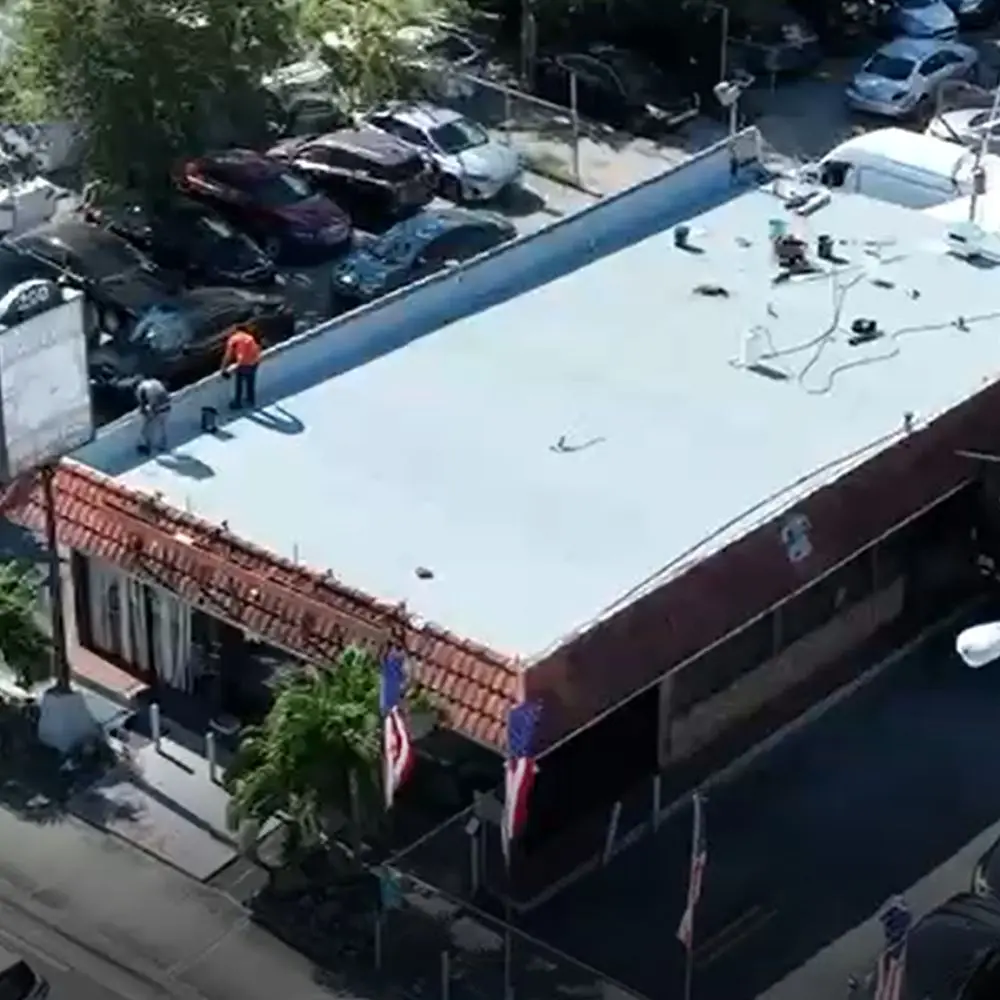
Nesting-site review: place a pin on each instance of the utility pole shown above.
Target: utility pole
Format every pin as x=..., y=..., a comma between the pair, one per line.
x=60, y=653
x=978, y=172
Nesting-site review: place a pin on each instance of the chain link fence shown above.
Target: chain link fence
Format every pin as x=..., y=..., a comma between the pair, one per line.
x=546, y=135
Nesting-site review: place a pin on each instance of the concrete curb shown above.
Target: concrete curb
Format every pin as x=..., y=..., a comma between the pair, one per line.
x=745, y=761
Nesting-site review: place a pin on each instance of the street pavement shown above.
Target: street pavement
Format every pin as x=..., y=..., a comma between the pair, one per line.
x=108, y=919
x=807, y=843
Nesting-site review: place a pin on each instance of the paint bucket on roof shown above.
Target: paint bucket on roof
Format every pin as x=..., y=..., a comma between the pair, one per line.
x=776, y=228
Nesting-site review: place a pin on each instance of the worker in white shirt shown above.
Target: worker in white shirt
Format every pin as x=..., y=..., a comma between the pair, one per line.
x=154, y=405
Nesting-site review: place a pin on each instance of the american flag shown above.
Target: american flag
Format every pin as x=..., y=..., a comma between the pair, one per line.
x=896, y=921
x=519, y=771
x=397, y=747
x=696, y=875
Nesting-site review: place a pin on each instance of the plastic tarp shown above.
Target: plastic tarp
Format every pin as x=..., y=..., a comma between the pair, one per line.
x=979, y=645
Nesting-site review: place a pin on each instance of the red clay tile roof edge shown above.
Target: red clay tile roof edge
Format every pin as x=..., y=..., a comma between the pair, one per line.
x=295, y=607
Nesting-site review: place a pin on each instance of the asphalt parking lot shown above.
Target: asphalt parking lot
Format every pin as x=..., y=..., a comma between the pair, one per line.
x=808, y=842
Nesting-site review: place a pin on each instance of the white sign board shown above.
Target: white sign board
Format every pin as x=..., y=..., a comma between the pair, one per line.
x=45, y=403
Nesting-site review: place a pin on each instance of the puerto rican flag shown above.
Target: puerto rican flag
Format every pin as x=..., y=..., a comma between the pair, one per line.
x=519, y=771
x=397, y=746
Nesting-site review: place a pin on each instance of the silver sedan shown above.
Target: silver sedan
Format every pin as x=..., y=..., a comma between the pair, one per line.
x=902, y=78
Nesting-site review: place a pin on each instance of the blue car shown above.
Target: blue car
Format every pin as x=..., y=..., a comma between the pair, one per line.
x=413, y=249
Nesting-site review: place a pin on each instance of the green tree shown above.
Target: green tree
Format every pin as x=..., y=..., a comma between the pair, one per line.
x=25, y=647
x=315, y=758
x=372, y=47
x=141, y=76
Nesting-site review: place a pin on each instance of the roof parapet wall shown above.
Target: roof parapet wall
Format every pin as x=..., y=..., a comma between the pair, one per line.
x=701, y=181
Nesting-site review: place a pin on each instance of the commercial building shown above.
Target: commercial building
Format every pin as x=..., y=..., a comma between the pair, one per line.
x=659, y=477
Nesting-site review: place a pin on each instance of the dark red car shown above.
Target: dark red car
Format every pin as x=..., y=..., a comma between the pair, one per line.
x=275, y=205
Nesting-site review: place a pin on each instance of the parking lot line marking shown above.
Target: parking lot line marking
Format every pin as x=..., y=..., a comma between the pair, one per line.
x=733, y=934
x=19, y=944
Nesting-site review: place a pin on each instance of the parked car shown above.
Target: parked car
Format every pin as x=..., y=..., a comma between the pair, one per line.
x=617, y=87
x=299, y=100
x=975, y=13
x=190, y=238
x=986, y=874
x=922, y=19
x=181, y=340
x=372, y=174
x=274, y=205
x=119, y=281
x=953, y=953
x=901, y=78
x=472, y=165
x=967, y=126
x=413, y=249
x=18, y=980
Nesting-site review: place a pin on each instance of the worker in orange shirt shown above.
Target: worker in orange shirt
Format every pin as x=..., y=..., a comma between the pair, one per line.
x=242, y=356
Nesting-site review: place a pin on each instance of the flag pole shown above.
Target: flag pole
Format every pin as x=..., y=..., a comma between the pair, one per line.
x=508, y=941
x=688, y=969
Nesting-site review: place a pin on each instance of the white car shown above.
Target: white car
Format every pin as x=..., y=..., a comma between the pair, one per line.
x=902, y=78
x=472, y=164
x=968, y=126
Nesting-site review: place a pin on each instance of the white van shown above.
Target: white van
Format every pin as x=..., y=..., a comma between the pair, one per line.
x=905, y=168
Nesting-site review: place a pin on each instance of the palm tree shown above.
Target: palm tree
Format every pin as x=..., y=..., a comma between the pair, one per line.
x=25, y=646
x=315, y=758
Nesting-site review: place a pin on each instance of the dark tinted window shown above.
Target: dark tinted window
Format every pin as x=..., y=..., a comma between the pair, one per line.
x=460, y=244
x=101, y=256
x=890, y=67
x=277, y=188
x=324, y=155
x=17, y=981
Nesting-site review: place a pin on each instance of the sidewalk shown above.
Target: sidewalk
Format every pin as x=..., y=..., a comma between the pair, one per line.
x=826, y=974
x=185, y=938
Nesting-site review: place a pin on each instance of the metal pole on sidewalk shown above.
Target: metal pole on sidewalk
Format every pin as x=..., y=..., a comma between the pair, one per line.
x=575, y=116
x=60, y=653
x=508, y=942
x=688, y=970
x=445, y=974
x=378, y=932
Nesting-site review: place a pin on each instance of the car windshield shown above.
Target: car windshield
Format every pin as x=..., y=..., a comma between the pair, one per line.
x=278, y=189
x=458, y=135
x=889, y=67
x=402, y=245
x=108, y=258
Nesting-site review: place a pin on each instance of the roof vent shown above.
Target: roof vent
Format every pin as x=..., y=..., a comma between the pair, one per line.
x=972, y=242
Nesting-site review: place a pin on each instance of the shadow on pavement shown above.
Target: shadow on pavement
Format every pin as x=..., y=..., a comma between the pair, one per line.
x=808, y=843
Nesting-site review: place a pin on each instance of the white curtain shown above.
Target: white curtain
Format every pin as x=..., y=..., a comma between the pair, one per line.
x=136, y=624
x=175, y=665
x=105, y=599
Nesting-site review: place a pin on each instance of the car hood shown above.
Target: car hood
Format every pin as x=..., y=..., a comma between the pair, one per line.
x=879, y=88
x=314, y=215
x=237, y=257
x=136, y=292
x=494, y=160
x=929, y=20
x=362, y=275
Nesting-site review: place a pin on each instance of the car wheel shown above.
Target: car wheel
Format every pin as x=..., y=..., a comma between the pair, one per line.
x=451, y=188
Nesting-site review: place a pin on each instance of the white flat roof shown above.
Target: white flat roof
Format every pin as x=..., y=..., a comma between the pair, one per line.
x=543, y=457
